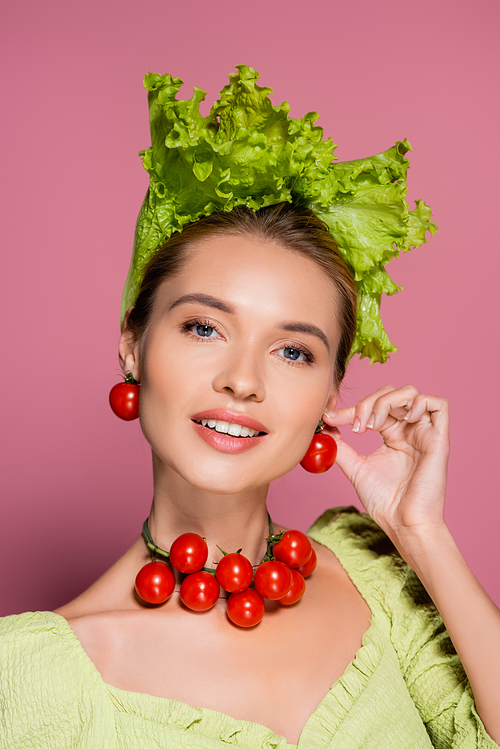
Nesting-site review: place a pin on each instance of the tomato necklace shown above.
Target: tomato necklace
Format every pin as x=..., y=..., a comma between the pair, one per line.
x=289, y=559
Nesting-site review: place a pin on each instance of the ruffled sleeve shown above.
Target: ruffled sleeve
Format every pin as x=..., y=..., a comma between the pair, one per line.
x=49, y=697
x=432, y=671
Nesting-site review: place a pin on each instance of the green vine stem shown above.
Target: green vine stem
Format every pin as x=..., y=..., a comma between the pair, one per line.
x=320, y=427
x=270, y=540
x=151, y=544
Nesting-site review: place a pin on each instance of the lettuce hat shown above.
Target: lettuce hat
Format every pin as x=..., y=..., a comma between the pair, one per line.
x=248, y=152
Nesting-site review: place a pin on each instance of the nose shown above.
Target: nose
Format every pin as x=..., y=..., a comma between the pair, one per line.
x=241, y=374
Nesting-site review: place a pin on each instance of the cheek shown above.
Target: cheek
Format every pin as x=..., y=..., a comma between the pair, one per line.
x=167, y=369
x=166, y=382
x=298, y=409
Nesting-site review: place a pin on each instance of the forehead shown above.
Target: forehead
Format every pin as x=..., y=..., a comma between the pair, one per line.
x=255, y=275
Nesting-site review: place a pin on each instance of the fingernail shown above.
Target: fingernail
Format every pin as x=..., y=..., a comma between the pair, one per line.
x=332, y=415
x=371, y=421
x=407, y=415
x=356, y=425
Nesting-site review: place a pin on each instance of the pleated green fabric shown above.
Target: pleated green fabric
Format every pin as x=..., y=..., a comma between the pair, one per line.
x=405, y=689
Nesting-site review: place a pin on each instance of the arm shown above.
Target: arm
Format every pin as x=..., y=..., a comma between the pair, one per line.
x=402, y=486
x=471, y=618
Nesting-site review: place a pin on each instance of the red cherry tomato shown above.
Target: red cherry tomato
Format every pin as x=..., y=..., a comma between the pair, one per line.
x=124, y=400
x=320, y=455
x=188, y=553
x=309, y=566
x=294, y=549
x=296, y=591
x=234, y=573
x=245, y=609
x=155, y=582
x=273, y=580
x=199, y=591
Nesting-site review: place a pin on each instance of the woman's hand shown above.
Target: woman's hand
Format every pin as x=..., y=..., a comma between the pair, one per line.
x=401, y=484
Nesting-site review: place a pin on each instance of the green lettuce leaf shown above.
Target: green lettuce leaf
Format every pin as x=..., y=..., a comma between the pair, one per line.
x=248, y=151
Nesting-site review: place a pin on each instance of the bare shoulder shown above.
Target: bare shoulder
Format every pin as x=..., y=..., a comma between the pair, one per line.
x=111, y=593
x=102, y=616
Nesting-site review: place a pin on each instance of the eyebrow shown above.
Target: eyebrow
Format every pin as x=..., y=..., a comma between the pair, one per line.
x=206, y=299
x=211, y=301
x=303, y=327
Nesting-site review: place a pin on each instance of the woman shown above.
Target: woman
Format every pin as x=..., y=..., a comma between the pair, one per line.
x=246, y=317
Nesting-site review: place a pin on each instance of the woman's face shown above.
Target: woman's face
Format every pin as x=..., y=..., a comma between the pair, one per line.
x=245, y=334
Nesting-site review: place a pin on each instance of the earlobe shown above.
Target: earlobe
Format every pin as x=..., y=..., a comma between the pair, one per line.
x=128, y=355
x=130, y=365
x=331, y=403
x=128, y=350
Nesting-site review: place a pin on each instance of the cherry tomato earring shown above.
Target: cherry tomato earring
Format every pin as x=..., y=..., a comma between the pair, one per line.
x=124, y=398
x=321, y=453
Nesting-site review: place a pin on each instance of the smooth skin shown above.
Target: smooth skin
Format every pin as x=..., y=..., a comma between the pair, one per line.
x=277, y=673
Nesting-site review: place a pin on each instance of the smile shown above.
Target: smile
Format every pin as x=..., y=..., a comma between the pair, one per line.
x=227, y=436
x=226, y=427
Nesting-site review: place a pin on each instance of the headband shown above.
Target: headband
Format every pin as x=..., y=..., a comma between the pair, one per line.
x=248, y=152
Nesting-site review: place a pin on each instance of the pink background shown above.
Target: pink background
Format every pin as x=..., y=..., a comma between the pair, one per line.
x=75, y=481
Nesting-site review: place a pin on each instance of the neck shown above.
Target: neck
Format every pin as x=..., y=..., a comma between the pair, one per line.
x=231, y=521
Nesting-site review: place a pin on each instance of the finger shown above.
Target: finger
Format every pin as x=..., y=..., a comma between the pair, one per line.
x=396, y=404
x=339, y=418
x=430, y=407
x=364, y=408
x=348, y=460
x=361, y=411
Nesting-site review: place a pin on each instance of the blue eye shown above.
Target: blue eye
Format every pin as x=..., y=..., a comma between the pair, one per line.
x=292, y=353
x=205, y=331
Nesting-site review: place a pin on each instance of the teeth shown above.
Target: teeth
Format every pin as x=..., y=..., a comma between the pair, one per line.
x=235, y=430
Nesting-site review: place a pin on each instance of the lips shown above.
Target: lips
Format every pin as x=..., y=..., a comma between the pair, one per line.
x=222, y=441
x=233, y=417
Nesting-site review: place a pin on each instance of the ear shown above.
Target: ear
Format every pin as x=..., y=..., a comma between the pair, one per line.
x=331, y=403
x=128, y=350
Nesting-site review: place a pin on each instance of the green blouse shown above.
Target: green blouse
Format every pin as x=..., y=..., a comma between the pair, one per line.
x=405, y=689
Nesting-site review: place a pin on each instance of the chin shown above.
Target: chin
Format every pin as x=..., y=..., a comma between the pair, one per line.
x=233, y=478
x=223, y=481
